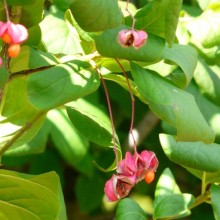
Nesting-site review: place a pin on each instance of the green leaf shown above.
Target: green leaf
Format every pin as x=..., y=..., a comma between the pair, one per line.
x=128, y=209
x=186, y=58
x=203, y=3
x=208, y=79
x=196, y=155
x=19, y=135
x=166, y=184
x=87, y=42
x=215, y=198
x=160, y=17
x=210, y=111
x=108, y=46
x=58, y=36
x=21, y=2
x=152, y=17
x=68, y=141
x=35, y=146
x=3, y=76
x=30, y=17
x=207, y=177
x=209, y=34
x=176, y=107
x=34, y=36
x=25, y=197
x=210, y=55
x=171, y=20
x=97, y=15
x=30, y=58
x=60, y=84
x=172, y=206
x=89, y=192
x=121, y=80
x=169, y=201
x=94, y=124
x=19, y=120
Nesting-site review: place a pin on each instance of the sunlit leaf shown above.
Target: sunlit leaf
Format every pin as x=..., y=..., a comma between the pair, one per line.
x=25, y=197
x=166, y=184
x=60, y=84
x=58, y=36
x=206, y=28
x=19, y=120
x=196, y=155
x=177, y=107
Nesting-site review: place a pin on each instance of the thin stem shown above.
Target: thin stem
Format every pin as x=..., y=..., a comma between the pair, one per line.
x=132, y=106
x=203, y=183
x=6, y=11
x=109, y=108
x=200, y=199
x=133, y=19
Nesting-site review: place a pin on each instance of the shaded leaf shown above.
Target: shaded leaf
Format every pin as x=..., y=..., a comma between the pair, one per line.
x=210, y=111
x=89, y=189
x=34, y=36
x=68, y=141
x=30, y=17
x=128, y=209
x=208, y=80
x=172, y=105
x=60, y=84
x=97, y=15
x=107, y=45
x=215, y=198
x=25, y=197
x=92, y=122
x=196, y=155
x=121, y=80
x=171, y=20
x=3, y=76
x=21, y=2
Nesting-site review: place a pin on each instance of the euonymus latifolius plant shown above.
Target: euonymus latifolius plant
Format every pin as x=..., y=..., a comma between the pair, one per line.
x=118, y=92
